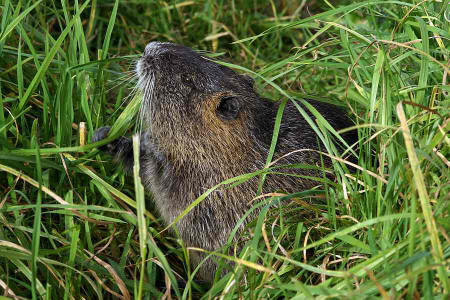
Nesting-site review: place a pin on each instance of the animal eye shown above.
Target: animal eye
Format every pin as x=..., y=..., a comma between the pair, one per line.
x=187, y=80
x=228, y=108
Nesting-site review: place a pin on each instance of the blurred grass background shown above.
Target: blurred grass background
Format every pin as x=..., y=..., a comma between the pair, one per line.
x=66, y=68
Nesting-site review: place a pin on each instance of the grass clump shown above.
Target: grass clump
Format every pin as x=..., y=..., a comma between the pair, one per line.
x=70, y=227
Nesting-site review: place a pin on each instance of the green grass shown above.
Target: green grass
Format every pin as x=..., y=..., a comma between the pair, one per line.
x=380, y=231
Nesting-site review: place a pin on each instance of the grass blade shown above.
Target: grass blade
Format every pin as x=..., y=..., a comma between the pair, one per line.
x=16, y=21
x=48, y=59
x=420, y=186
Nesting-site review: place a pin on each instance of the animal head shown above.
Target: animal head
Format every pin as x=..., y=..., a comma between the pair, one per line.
x=191, y=104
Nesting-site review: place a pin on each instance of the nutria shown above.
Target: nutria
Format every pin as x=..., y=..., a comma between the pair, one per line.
x=203, y=123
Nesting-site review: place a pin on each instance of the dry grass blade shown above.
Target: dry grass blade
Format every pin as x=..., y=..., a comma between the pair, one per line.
x=379, y=286
x=120, y=284
x=48, y=192
x=8, y=291
x=239, y=261
x=420, y=186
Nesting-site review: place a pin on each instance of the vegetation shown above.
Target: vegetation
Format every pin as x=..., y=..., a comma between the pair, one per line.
x=69, y=226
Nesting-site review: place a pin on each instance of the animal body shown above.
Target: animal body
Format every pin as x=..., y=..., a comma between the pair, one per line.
x=203, y=123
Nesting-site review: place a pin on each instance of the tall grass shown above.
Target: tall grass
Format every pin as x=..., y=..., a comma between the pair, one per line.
x=72, y=225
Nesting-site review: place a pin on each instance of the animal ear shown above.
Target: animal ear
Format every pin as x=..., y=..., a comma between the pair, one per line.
x=228, y=108
x=248, y=79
